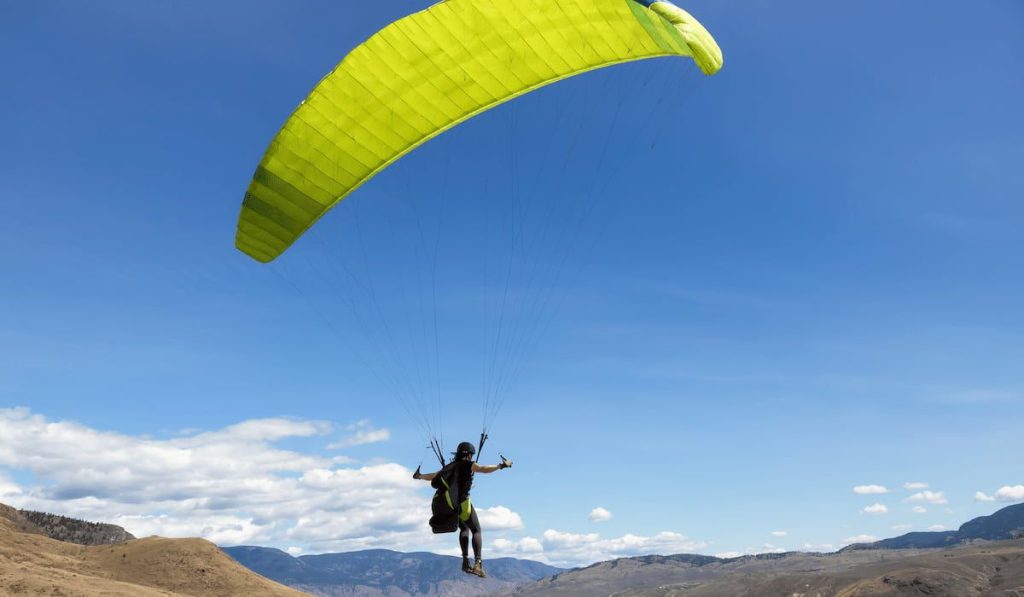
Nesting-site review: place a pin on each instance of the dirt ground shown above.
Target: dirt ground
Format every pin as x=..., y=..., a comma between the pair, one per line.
x=33, y=564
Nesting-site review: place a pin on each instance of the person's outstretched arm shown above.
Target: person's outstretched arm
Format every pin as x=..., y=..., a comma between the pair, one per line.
x=424, y=476
x=490, y=468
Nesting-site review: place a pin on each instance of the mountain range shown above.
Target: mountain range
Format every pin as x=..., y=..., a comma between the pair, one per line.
x=46, y=553
x=1007, y=523
x=909, y=562
x=990, y=569
x=385, y=572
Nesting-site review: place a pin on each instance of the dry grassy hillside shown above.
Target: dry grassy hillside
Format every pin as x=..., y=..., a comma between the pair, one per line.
x=995, y=569
x=33, y=564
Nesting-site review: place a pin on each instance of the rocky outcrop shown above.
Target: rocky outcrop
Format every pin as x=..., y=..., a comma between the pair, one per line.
x=76, y=531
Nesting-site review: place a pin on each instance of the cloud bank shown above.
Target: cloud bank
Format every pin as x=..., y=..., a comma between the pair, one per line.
x=230, y=485
x=235, y=486
x=563, y=549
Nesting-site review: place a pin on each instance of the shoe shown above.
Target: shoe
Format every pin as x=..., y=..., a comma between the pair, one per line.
x=478, y=569
x=466, y=567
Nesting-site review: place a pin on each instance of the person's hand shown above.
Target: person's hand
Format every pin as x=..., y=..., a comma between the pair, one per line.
x=505, y=463
x=417, y=474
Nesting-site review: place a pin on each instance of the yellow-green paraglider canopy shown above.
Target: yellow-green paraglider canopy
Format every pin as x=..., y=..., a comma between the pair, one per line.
x=430, y=71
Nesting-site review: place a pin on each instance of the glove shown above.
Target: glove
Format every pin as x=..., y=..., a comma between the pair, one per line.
x=504, y=463
x=417, y=474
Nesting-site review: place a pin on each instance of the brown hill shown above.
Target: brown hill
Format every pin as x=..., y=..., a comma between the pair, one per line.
x=16, y=522
x=992, y=569
x=995, y=568
x=628, y=576
x=33, y=564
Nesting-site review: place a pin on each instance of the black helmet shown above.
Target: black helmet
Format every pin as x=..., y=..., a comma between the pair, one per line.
x=465, y=448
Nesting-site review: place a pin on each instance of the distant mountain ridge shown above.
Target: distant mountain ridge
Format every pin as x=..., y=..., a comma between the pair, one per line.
x=1007, y=523
x=385, y=572
x=684, y=572
x=690, y=574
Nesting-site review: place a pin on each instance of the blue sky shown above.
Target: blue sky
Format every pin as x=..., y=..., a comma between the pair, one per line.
x=799, y=276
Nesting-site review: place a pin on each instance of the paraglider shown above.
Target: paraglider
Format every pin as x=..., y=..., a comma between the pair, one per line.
x=417, y=78
x=426, y=73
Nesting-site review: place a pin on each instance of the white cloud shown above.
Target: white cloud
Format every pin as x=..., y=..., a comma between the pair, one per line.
x=361, y=433
x=221, y=528
x=599, y=515
x=937, y=527
x=749, y=551
x=294, y=551
x=875, y=509
x=821, y=547
x=525, y=547
x=929, y=497
x=235, y=486
x=231, y=485
x=870, y=489
x=901, y=527
x=779, y=533
x=859, y=539
x=919, y=509
x=8, y=488
x=915, y=485
x=570, y=549
x=1009, y=493
x=499, y=518
x=530, y=545
x=982, y=497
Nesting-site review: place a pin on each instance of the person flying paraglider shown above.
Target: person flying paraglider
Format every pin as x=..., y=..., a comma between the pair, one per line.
x=452, y=507
x=410, y=82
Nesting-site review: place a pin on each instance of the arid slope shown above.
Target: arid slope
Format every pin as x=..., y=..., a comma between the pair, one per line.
x=995, y=569
x=990, y=568
x=33, y=564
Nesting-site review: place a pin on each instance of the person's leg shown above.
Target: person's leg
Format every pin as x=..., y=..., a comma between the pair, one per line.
x=478, y=534
x=464, y=544
x=478, y=543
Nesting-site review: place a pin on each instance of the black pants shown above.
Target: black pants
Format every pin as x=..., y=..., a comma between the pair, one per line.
x=473, y=524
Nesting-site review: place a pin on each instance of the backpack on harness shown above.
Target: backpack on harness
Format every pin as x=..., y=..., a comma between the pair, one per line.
x=446, y=510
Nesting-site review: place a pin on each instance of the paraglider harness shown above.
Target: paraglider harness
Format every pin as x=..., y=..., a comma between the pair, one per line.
x=447, y=511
